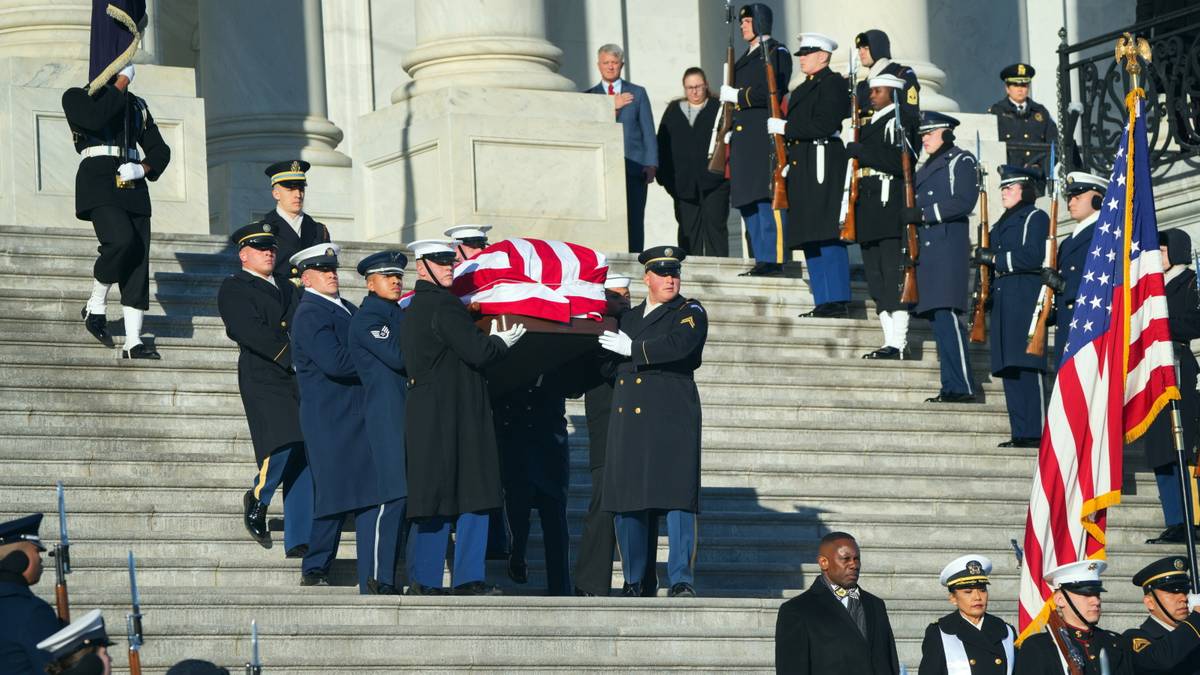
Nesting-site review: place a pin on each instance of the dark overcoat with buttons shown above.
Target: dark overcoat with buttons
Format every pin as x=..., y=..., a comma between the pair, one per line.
x=374, y=341
x=26, y=620
x=288, y=243
x=984, y=646
x=880, y=195
x=531, y=431
x=653, y=454
x=331, y=408
x=1038, y=654
x=1072, y=257
x=257, y=317
x=1166, y=652
x=816, y=157
x=1027, y=134
x=751, y=147
x=453, y=462
x=946, y=189
x=1019, y=241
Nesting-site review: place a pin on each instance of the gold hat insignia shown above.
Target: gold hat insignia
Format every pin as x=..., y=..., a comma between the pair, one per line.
x=1021, y=69
x=329, y=251
x=1179, y=563
x=295, y=166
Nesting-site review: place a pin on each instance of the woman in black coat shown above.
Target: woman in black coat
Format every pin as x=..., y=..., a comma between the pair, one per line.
x=968, y=640
x=701, y=196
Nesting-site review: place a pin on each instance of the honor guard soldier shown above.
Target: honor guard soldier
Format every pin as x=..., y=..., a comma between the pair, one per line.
x=1076, y=599
x=653, y=454
x=374, y=342
x=295, y=230
x=1018, y=250
x=346, y=479
x=750, y=146
x=835, y=626
x=80, y=648
x=1085, y=195
x=451, y=443
x=946, y=188
x=1168, y=641
x=880, y=209
x=257, y=305
x=1023, y=124
x=816, y=173
x=468, y=240
x=968, y=640
x=875, y=52
x=108, y=123
x=25, y=619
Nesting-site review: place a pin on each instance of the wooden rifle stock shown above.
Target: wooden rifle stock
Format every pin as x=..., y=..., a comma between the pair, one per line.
x=61, y=603
x=849, y=230
x=719, y=149
x=1057, y=626
x=983, y=277
x=908, y=290
x=135, y=661
x=1041, y=314
x=779, y=198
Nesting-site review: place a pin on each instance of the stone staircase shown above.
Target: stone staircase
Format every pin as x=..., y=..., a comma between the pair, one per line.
x=801, y=437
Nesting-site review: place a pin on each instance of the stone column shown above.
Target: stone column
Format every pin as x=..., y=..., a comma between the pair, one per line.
x=262, y=75
x=55, y=30
x=907, y=24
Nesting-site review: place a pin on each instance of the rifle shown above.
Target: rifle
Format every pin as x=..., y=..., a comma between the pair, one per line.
x=133, y=622
x=849, y=221
x=1041, y=313
x=254, y=667
x=62, y=562
x=1060, y=634
x=977, y=329
x=779, y=198
x=912, y=244
x=718, y=149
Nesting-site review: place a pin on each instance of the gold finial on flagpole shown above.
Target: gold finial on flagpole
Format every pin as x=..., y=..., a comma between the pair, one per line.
x=1128, y=50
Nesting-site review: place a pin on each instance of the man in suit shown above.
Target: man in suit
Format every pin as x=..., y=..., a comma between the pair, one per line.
x=637, y=123
x=1084, y=193
x=968, y=640
x=25, y=619
x=256, y=307
x=331, y=416
x=835, y=626
x=295, y=230
x=1168, y=641
x=751, y=150
x=1023, y=124
x=111, y=187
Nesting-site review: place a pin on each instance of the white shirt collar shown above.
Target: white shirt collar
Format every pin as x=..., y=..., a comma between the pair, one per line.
x=1018, y=106
x=616, y=85
x=294, y=222
x=878, y=67
x=650, y=307
x=879, y=114
x=1162, y=623
x=969, y=620
x=1083, y=224
x=251, y=272
x=335, y=300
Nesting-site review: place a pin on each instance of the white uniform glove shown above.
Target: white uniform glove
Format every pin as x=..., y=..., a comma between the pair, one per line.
x=509, y=336
x=728, y=137
x=131, y=171
x=729, y=94
x=617, y=342
x=127, y=71
x=776, y=126
x=1193, y=601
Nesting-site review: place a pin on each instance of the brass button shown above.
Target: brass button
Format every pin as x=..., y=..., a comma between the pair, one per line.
x=1026, y=135
x=283, y=323
x=637, y=411
x=620, y=409
x=999, y=661
x=638, y=381
x=412, y=381
x=738, y=128
x=972, y=661
x=621, y=381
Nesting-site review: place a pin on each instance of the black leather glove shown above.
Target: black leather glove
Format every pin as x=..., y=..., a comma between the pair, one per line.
x=853, y=149
x=912, y=215
x=1054, y=280
x=983, y=256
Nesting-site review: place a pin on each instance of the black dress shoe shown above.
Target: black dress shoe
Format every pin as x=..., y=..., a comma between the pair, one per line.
x=1174, y=534
x=631, y=590
x=1021, y=443
x=753, y=271
x=298, y=551
x=829, y=310
x=97, y=325
x=885, y=354
x=579, y=592
x=254, y=517
x=140, y=351
x=682, y=590
x=518, y=571
x=951, y=398
x=375, y=587
x=317, y=578
x=476, y=588
x=770, y=270
x=415, y=588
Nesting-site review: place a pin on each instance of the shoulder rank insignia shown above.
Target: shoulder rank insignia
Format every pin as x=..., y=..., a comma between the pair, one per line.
x=381, y=334
x=689, y=321
x=1139, y=644
x=912, y=95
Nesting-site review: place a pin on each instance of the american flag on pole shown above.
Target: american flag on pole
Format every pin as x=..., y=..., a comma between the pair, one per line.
x=1117, y=373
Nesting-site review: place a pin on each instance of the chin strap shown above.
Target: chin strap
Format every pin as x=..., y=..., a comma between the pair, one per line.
x=432, y=276
x=1170, y=619
x=1090, y=625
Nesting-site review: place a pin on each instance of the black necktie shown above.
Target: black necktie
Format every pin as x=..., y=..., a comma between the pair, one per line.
x=854, y=605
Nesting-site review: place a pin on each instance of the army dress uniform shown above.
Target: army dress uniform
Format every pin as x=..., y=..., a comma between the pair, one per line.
x=954, y=645
x=293, y=234
x=653, y=454
x=1158, y=647
x=25, y=619
x=1027, y=129
x=257, y=313
x=909, y=99
x=1072, y=256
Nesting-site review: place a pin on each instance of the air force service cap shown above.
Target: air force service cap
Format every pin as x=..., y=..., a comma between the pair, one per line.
x=968, y=571
x=1168, y=574
x=474, y=236
x=1079, y=182
x=384, y=262
x=289, y=173
x=1018, y=73
x=931, y=119
x=22, y=529
x=815, y=42
x=321, y=256
x=1081, y=577
x=259, y=235
x=86, y=631
x=1010, y=174
x=436, y=251
x=663, y=260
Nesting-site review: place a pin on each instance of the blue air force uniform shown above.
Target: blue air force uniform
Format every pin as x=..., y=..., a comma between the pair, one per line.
x=958, y=644
x=331, y=416
x=1073, y=253
x=1019, y=246
x=25, y=619
x=374, y=344
x=947, y=187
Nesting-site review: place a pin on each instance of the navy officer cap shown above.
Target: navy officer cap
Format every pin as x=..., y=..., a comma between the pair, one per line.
x=1010, y=174
x=1018, y=73
x=86, y=631
x=1168, y=574
x=931, y=119
x=321, y=255
x=259, y=235
x=289, y=173
x=384, y=262
x=22, y=529
x=663, y=258
x=1079, y=182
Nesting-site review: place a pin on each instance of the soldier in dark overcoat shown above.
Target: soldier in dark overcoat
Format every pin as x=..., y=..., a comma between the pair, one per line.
x=875, y=52
x=1084, y=193
x=107, y=127
x=1016, y=256
x=331, y=417
x=25, y=619
x=256, y=306
x=946, y=188
x=295, y=230
x=816, y=174
x=969, y=639
x=750, y=146
x=1168, y=641
x=374, y=343
x=880, y=209
x=1023, y=124
x=453, y=462
x=653, y=455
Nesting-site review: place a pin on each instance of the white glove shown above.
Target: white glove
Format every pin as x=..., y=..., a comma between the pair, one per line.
x=509, y=336
x=617, y=342
x=729, y=94
x=127, y=71
x=131, y=171
x=1193, y=601
x=728, y=137
x=775, y=125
